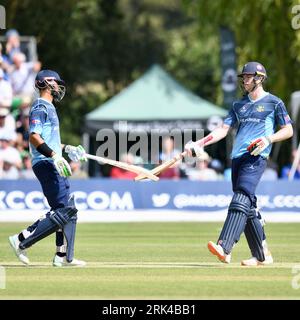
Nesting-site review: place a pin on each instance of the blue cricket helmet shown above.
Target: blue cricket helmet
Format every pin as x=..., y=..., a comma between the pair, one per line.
x=255, y=68
x=43, y=75
x=48, y=79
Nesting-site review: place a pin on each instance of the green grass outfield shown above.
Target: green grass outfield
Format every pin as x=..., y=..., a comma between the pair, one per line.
x=152, y=261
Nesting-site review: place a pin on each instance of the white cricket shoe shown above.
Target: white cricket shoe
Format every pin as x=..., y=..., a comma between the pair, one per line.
x=21, y=254
x=62, y=262
x=254, y=262
x=218, y=251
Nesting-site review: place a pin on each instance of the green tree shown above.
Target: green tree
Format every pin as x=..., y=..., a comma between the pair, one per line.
x=263, y=32
x=91, y=44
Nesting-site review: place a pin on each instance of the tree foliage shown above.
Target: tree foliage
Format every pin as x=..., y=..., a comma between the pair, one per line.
x=263, y=33
x=101, y=46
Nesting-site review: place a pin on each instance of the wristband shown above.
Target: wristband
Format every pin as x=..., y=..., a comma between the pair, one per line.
x=44, y=150
x=269, y=140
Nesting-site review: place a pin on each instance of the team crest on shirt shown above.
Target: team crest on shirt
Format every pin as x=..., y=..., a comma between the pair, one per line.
x=260, y=108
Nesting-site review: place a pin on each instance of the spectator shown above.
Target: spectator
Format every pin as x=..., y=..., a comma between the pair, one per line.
x=202, y=170
x=12, y=44
x=22, y=78
x=119, y=173
x=9, y=158
x=7, y=124
x=26, y=172
x=217, y=165
x=6, y=93
x=23, y=131
x=227, y=174
x=286, y=169
x=77, y=172
x=4, y=63
x=168, y=152
x=270, y=173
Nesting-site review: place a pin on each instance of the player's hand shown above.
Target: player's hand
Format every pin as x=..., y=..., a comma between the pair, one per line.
x=62, y=166
x=193, y=149
x=257, y=146
x=76, y=153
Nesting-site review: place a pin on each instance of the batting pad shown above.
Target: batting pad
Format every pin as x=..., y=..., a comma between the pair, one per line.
x=235, y=221
x=254, y=233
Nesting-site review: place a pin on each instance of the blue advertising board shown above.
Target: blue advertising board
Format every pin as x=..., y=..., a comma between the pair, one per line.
x=108, y=194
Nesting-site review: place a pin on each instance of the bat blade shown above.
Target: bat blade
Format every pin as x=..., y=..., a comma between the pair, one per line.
x=167, y=164
x=123, y=165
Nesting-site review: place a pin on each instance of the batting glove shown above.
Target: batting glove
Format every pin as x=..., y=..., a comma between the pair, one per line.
x=62, y=166
x=76, y=153
x=193, y=149
x=259, y=145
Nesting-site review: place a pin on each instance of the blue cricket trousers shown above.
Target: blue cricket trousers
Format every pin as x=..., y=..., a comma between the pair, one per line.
x=246, y=173
x=55, y=188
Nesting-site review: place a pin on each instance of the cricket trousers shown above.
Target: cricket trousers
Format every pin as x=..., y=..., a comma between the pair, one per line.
x=246, y=174
x=57, y=192
x=242, y=216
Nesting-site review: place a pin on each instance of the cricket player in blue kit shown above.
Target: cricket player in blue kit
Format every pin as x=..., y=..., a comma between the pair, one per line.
x=52, y=171
x=256, y=117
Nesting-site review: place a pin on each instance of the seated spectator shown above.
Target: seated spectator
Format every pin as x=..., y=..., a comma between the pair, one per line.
x=285, y=171
x=4, y=64
x=168, y=149
x=23, y=131
x=23, y=76
x=270, y=173
x=7, y=124
x=6, y=93
x=26, y=172
x=168, y=152
x=77, y=172
x=13, y=44
x=7, y=169
x=202, y=170
x=119, y=173
x=217, y=165
x=227, y=174
x=10, y=158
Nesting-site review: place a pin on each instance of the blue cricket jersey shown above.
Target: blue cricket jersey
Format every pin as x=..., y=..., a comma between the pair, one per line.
x=44, y=121
x=255, y=119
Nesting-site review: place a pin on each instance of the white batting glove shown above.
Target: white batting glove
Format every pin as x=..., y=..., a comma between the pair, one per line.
x=62, y=166
x=193, y=149
x=76, y=153
x=259, y=145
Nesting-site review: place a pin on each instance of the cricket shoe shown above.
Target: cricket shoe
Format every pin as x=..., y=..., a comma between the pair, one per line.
x=21, y=254
x=252, y=262
x=62, y=262
x=218, y=251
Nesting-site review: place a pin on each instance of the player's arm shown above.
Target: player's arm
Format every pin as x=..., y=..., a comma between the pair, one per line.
x=216, y=135
x=284, y=133
x=36, y=140
x=195, y=149
x=259, y=145
x=61, y=165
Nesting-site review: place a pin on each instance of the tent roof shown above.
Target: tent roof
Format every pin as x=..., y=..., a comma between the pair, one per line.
x=155, y=96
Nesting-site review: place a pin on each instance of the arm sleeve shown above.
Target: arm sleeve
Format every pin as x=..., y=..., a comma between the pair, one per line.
x=231, y=118
x=281, y=115
x=37, y=118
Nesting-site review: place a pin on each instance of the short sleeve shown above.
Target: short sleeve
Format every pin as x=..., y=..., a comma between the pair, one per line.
x=231, y=118
x=281, y=115
x=37, y=118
